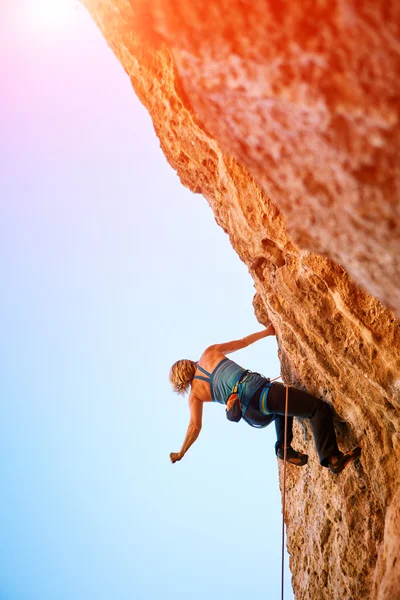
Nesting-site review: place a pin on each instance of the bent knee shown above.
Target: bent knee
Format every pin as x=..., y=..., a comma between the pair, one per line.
x=322, y=407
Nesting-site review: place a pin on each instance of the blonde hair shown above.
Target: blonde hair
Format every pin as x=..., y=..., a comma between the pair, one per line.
x=181, y=375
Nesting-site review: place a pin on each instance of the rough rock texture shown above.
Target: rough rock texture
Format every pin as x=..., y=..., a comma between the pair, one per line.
x=387, y=574
x=304, y=96
x=307, y=96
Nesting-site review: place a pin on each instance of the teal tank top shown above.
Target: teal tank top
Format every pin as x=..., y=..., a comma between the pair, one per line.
x=224, y=378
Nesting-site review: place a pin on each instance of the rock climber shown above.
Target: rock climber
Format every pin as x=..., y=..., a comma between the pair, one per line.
x=248, y=395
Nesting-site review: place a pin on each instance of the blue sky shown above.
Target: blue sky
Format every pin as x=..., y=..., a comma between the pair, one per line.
x=108, y=276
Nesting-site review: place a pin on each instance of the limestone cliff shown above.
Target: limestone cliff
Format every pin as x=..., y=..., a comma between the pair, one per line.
x=285, y=116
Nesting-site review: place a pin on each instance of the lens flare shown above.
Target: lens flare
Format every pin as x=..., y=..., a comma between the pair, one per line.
x=50, y=15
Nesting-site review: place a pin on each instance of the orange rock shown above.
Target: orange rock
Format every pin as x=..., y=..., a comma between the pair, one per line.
x=285, y=116
x=307, y=97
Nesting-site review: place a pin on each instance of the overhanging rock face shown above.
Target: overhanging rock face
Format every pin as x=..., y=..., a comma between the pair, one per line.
x=285, y=116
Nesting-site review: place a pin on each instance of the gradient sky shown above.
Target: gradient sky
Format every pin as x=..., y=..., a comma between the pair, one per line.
x=98, y=243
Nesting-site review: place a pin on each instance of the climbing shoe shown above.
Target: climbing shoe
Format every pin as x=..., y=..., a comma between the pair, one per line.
x=343, y=460
x=292, y=456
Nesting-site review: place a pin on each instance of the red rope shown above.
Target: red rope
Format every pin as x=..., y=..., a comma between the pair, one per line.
x=284, y=489
x=284, y=492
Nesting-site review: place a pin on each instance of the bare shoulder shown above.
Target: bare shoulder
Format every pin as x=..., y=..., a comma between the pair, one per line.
x=211, y=354
x=210, y=358
x=208, y=351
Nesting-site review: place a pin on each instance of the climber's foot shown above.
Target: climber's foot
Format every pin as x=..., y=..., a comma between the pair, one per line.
x=338, y=463
x=292, y=456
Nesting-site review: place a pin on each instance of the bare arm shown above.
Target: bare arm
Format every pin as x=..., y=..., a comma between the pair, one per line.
x=229, y=347
x=194, y=428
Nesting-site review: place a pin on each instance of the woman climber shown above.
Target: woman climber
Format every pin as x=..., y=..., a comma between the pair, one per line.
x=216, y=378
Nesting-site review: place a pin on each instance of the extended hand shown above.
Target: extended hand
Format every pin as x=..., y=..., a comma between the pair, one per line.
x=271, y=329
x=175, y=456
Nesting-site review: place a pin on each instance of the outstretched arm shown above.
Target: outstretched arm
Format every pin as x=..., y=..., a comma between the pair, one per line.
x=193, y=431
x=244, y=342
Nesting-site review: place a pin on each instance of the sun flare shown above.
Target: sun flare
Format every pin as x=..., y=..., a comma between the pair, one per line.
x=50, y=14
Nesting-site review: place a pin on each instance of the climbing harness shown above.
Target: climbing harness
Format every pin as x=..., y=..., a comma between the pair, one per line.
x=233, y=405
x=233, y=398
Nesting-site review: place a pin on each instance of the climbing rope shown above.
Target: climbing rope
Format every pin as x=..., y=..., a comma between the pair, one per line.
x=284, y=493
x=284, y=489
